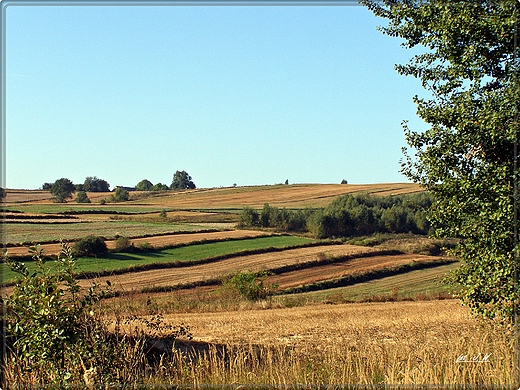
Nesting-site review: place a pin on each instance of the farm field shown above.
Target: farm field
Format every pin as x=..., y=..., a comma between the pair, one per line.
x=157, y=241
x=179, y=276
x=392, y=343
x=20, y=233
x=291, y=196
x=373, y=310
x=414, y=284
x=197, y=250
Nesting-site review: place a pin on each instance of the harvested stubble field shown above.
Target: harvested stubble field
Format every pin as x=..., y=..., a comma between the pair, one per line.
x=334, y=271
x=174, y=277
x=419, y=284
x=290, y=196
x=295, y=195
x=414, y=343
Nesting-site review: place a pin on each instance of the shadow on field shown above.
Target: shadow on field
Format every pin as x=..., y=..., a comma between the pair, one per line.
x=131, y=256
x=156, y=349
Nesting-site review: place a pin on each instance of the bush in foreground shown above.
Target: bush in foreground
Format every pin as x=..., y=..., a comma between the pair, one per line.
x=53, y=335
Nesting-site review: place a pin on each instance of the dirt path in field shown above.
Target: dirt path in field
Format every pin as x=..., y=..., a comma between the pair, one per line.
x=198, y=273
x=155, y=241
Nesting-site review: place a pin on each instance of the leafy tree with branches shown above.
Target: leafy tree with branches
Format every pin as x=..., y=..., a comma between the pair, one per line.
x=62, y=189
x=144, y=185
x=93, y=184
x=466, y=158
x=120, y=195
x=182, y=181
x=81, y=197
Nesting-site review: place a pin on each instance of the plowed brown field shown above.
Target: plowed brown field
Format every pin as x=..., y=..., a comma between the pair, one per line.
x=198, y=273
x=155, y=241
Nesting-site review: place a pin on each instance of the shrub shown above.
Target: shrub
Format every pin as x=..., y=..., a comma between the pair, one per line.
x=53, y=335
x=90, y=246
x=145, y=247
x=123, y=244
x=81, y=197
x=120, y=195
x=250, y=285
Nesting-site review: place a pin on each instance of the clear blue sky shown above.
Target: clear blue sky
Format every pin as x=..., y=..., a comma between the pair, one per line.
x=231, y=94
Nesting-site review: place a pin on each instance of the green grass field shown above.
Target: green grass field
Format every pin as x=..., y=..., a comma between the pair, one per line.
x=188, y=253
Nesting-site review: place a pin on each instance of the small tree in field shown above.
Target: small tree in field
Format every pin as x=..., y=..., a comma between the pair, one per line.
x=250, y=285
x=90, y=246
x=144, y=185
x=120, y=195
x=81, y=197
x=62, y=189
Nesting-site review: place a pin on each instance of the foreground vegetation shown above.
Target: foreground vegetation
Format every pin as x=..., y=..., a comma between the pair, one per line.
x=61, y=337
x=247, y=329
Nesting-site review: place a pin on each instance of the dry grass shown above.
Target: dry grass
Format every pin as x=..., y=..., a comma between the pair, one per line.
x=297, y=195
x=291, y=196
x=392, y=343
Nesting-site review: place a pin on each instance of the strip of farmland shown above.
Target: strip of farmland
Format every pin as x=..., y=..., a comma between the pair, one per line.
x=158, y=241
x=199, y=274
x=339, y=271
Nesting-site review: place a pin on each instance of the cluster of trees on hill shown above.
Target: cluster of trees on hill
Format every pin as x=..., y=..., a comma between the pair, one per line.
x=348, y=215
x=181, y=181
x=62, y=189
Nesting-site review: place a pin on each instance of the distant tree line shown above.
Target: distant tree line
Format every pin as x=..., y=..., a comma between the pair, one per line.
x=62, y=189
x=181, y=181
x=347, y=216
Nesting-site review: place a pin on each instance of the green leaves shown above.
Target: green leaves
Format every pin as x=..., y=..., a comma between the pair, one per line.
x=50, y=322
x=466, y=158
